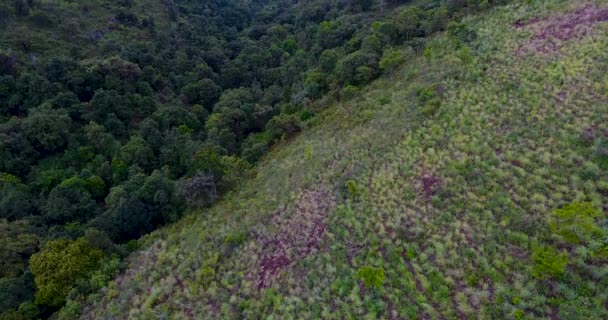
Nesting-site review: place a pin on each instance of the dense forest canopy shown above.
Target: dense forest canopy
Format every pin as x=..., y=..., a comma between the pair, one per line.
x=116, y=116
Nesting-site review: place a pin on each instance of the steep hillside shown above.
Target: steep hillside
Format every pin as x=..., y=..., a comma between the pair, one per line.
x=116, y=116
x=470, y=182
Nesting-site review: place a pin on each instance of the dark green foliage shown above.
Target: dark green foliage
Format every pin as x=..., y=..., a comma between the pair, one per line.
x=47, y=129
x=358, y=67
x=283, y=126
x=15, y=290
x=21, y=8
x=461, y=32
x=69, y=203
x=204, y=92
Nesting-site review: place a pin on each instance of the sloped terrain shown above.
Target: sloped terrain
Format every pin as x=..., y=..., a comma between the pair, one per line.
x=470, y=183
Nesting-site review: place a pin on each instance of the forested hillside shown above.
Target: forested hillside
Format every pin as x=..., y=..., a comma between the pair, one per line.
x=430, y=159
x=118, y=116
x=469, y=183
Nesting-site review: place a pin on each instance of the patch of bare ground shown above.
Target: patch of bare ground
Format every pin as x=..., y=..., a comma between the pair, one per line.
x=551, y=32
x=299, y=235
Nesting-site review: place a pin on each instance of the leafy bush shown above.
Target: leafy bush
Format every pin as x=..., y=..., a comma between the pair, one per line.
x=576, y=223
x=371, y=277
x=548, y=262
x=352, y=188
x=461, y=32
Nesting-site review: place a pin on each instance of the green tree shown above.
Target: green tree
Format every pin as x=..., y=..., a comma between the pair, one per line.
x=283, y=126
x=47, y=129
x=16, y=202
x=59, y=265
x=69, y=202
x=137, y=152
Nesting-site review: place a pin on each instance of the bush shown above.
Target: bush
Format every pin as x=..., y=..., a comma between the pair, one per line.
x=352, y=188
x=283, y=126
x=548, y=262
x=461, y=32
x=391, y=60
x=371, y=277
x=576, y=223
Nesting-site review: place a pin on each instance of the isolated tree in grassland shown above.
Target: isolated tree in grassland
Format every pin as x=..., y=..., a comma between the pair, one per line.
x=59, y=265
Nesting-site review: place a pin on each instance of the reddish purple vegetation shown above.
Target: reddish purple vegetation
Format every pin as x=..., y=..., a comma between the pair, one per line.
x=299, y=235
x=556, y=29
x=429, y=185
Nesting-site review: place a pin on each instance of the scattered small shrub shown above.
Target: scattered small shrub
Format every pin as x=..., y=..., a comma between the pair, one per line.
x=352, y=187
x=371, y=277
x=235, y=239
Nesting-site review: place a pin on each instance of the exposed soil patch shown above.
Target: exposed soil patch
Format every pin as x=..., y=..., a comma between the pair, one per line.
x=299, y=234
x=550, y=32
x=428, y=185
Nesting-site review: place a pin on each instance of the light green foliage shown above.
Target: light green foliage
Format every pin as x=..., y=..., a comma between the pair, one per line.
x=549, y=262
x=352, y=188
x=6, y=178
x=576, y=223
x=371, y=277
x=391, y=59
x=59, y=265
x=308, y=152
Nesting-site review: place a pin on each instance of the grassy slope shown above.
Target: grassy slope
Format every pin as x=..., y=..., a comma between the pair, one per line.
x=496, y=158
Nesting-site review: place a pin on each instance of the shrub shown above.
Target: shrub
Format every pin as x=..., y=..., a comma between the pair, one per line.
x=391, y=59
x=461, y=32
x=548, y=262
x=352, y=188
x=283, y=126
x=576, y=223
x=371, y=277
